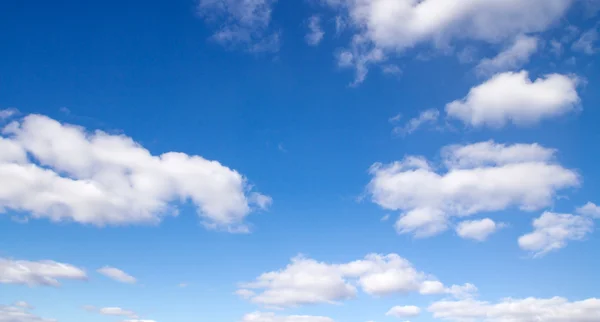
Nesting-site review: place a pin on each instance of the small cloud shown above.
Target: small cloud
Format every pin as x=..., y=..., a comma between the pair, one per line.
x=316, y=33
x=587, y=42
x=117, y=275
x=281, y=148
x=427, y=116
x=7, y=113
x=183, y=285
x=391, y=70
x=385, y=218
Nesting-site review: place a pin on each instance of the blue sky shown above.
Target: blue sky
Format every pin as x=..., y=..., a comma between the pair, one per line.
x=300, y=161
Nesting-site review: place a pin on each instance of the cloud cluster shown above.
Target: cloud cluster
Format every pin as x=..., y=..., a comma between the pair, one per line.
x=555, y=309
x=307, y=281
x=63, y=172
x=41, y=273
x=19, y=312
x=480, y=177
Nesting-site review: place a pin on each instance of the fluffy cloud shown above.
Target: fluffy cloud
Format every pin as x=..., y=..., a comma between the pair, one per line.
x=589, y=209
x=117, y=275
x=19, y=313
x=428, y=116
x=272, y=317
x=513, y=98
x=7, y=113
x=242, y=23
x=481, y=177
x=393, y=26
x=478, y=230
x=404, y=311
x=552, y=231
x=306, y=281
x=315, y=34
x=555, y=309
x=45, y=273
x=511, y=58
x=62, y=172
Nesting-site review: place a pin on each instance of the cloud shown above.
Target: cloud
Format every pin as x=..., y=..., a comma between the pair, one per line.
x=394, y=26
x=315, y=34
x=130, y=316
x=552, y=231
x=306, y=281
x=513, y=98
x=242, y=23
x=478, y=230
x=117, y=275
x=64, y=173
x=19, y=313
x=272, y=317
x=481, y=177
x=510, y=58
x=404, y=311
x=589, y=209
x=7, y=113
x=587, y=42
x=555, y=309
x=428, y=116
x=41, y=273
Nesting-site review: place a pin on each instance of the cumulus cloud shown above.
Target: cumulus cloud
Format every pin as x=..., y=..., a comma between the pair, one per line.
x=19, y=313
x=426, y=117
x=272, y=317
x=478, y=230
x=553, y=231
x=510, y=58
x=307, y=281
x=64, y=173
x=589, y=209
x=513, y=98
x=315, y=32
x=404, y=311
x=242, y=23
x=481, y=177
x=40, y=273
x=555, y=309
x=117, y=275
x=393, y=26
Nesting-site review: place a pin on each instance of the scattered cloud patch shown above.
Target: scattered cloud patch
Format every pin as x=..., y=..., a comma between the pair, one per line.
x=315, y=32
x=513, y=98
x=510, y=58
x=426, y=117
x=404, y=311
x=117, y=275
x=589, y=209
x=552, y=231
x=478, y=230
x=272, y=317
x=481, y=177
x=40, y=273
x=19, y=313
x=64, y=173
x=587, y=42
x=7, y=113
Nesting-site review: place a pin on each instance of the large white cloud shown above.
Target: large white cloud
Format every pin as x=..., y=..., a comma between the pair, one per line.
x=62, y=172
x=554, y=309
x=481, y=177
x=242, y=23
x=552, y=231
x=272, y=317
x=46, y=272
x=396, y=25
x=307, y=281
x=19, y=313
x=513, y=98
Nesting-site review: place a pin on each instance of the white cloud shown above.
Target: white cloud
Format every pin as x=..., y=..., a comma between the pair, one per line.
x=394, y=26
x=555, y=309
x=391, y=69
x=404, y=311
x=478, y=230
x=315, y=34
x=513, y=98
x=589, y=209
x=242, y=23
x=41, y=273
x=587, y=42
x=483, y=177
x=117, y=275
x=63, y=173
x=136, y=320
x=306, y=281
x=359, y=59
x=428, y=116
x=19, y=313
x=117, y=311
x=272, y=317
x=552, y=231
x=7, y=113
x=510, y=58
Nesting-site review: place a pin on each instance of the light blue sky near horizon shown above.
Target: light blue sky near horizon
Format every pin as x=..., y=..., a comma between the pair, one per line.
x=291, y=124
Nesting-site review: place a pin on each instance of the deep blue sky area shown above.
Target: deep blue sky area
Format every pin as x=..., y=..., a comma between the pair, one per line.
x=299, y=123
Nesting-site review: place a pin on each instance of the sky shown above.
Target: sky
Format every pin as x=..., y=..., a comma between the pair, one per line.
x=299, y=161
